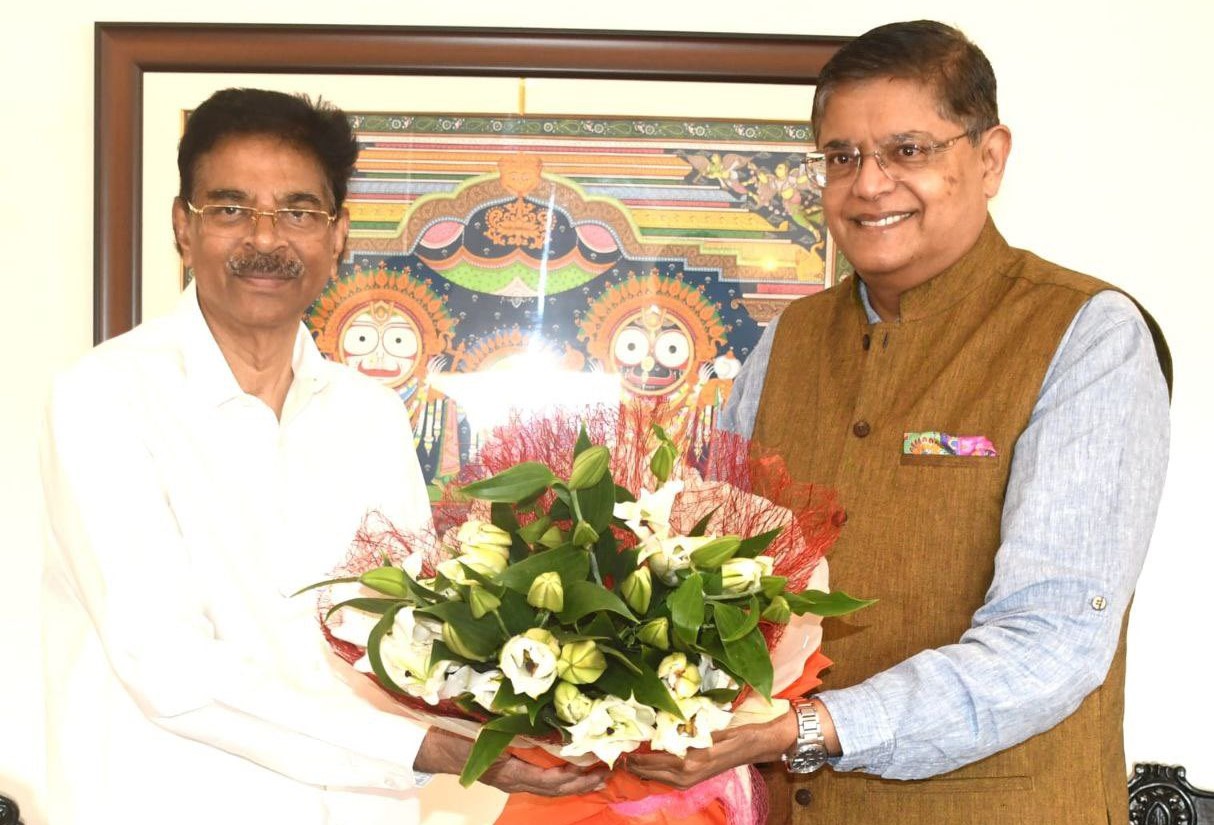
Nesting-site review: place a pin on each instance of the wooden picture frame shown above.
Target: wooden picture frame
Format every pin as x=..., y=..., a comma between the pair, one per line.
x=124, y=52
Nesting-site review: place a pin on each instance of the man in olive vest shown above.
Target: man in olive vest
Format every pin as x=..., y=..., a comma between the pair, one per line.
x=996, y=427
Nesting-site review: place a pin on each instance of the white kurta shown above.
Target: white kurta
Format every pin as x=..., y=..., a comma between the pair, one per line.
x=184, y=684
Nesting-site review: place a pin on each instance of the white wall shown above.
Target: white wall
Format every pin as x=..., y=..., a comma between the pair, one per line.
x=1109, y=105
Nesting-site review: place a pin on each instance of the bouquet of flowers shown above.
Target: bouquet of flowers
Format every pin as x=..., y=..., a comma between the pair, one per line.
x=592, y=599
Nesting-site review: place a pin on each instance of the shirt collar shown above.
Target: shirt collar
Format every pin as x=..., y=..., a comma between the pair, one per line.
x=983, y=261
x=207, y=371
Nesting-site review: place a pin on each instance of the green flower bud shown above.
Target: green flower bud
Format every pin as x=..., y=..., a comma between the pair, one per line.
x=572, y=705
x=637, y=589
x=662, y=462
x=535, y=530
x=584, y=534
x=715, y=553
x=475, y=534
x=655, y=633
x=482, y=601
x=455, y=643
x=547, y=592
x=581, y=662
x=778, y=612
x=589, y=467
x=387, y=580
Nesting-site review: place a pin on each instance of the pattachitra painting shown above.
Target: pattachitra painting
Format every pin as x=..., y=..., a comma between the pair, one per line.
x=499, y=263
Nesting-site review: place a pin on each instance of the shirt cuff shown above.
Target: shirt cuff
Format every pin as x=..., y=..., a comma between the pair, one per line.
x=865, y=733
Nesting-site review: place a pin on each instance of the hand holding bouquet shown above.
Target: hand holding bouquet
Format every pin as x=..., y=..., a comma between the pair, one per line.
x=564, y=607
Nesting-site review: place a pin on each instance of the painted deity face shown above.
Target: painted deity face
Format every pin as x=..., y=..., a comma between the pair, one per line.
x=381, y=342
x=652, y=351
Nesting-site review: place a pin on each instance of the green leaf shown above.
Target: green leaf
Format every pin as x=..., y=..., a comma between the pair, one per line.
x=597, y=503
x=325, y=583
x=701, y=526
x=755, y=545
x=687, y=608
x=516, y=614
x=773, y=585
x=620, y=657
x=583, y=598
x=733, y=623
x=819, y=603
x=502, y=515
x=381, y=629
x=481, y=636
x=367, y=605
x=715, y=553
x=623, y=494
x=583, y=442
x=513, y=485
x=571, y=563
x=600, y=626
x=646, y=686
x=751, y=661
x=494, y=738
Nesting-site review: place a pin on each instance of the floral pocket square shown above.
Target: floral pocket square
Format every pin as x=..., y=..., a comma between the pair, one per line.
x=938, y=443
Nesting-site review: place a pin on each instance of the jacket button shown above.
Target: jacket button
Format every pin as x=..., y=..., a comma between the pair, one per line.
x=803, y=796
x=861, y=428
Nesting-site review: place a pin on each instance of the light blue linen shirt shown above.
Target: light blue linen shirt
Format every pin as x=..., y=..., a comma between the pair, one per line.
x=1084, y=487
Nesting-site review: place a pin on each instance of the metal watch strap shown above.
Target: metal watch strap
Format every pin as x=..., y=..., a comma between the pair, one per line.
x=808, y=753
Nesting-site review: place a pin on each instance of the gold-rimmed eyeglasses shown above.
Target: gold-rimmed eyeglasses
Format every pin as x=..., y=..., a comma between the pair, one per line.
x=226, y=220
x=898, y=158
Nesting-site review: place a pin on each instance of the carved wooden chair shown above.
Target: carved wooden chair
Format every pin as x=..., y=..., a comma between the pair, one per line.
x=9, y=813
x=1160, y=795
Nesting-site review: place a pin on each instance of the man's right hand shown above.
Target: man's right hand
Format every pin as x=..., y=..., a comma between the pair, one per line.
x=443, y=752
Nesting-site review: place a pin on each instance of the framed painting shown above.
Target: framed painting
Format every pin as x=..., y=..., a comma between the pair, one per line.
x=625, y=210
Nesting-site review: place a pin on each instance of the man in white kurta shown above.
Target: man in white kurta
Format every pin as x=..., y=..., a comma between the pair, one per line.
x=200, y=469
x=185, y=683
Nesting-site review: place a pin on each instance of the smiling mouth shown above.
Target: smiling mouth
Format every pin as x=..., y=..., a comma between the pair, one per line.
x=888, y=220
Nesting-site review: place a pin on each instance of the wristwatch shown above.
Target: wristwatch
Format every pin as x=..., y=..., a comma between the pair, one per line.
x=808, y=753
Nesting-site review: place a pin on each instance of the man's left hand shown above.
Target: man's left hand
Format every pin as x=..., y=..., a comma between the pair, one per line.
x=743, y=745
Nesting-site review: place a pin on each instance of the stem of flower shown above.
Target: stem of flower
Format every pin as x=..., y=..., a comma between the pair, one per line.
x=497, y=615
x=725, y=597
x=543, y=617
x=594, y=568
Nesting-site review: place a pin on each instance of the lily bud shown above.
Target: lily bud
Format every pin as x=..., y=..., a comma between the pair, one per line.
x=740, y=575
x=535, y=530
x=637, y=589
x=387, y=580
x=584, y=534
x=572, y=705
x=715, y=553
x=589, y=467
x=778, y=612
x=655, y=633
x=682, y=678
x=456, y=645
x=662, y=462
x=482, y=601
x=581, y=662
x=547, y=592
x=475, y=534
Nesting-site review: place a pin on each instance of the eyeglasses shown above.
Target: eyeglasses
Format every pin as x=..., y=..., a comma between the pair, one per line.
x=225, y=220
x=898, y=158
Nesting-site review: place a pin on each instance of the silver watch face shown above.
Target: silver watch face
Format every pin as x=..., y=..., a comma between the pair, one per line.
x=807, y=759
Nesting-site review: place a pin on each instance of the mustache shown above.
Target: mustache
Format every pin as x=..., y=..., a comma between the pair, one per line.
x=266, y=265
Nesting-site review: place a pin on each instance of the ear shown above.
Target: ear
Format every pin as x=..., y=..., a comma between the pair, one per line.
x=341, y=230
x=995, y=147
x=181, y=231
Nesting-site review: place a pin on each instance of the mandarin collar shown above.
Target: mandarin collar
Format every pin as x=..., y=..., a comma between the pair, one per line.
x=983, y=261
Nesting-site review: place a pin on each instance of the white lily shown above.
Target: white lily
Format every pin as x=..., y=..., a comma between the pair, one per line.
x=407, y=663
x=649, y=515
x=700, y=718
x=482, y=686
x=612, y=727
x=682, y=679
x=529, y=661
x=741, y=575
x=486, y=561
x=669, y=555
x=713, y=678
